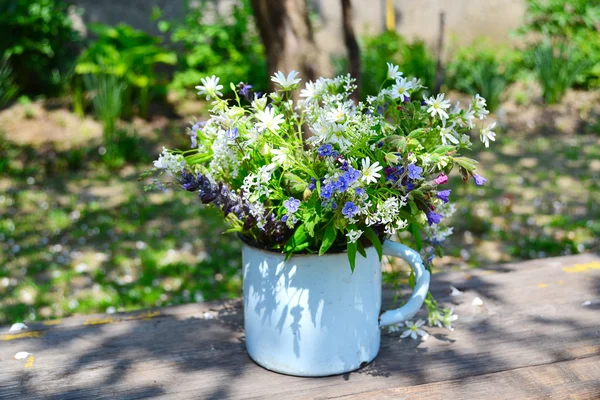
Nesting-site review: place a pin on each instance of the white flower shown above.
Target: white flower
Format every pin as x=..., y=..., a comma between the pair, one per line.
x=468, y=117
x=169, y=162
x=370, y=171
x=21, y=355
x=487, y=134
x=448, y=318
x=435, y=318
x=479, y=106
x=400, y=89
x=447, y=133
x=19, y=326
x=338, y=114
x=414, y=330
x=477, y=302
x=354, y=235
x=309, y=91
x=210, y=87
x=268, y=120
x=437, y=106
x=286, y=83
x=393, y=328
x=392, y=72
x=281, y=156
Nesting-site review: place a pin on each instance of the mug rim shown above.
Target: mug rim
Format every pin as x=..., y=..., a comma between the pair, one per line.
x=261, y=247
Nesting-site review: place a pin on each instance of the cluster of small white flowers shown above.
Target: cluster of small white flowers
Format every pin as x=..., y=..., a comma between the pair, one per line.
x=169, y=162
x=257, y=185
x=225, y=162
x=387, y=214
x=353, y=235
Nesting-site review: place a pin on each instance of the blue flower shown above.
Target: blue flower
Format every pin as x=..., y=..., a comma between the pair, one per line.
x=414, y=171
x=349, y=209
x=245, y=90
x=232, y=134
x=410, y=186
x=352, y=175
x=380, y=144
x=284, y=218
x=325, y=150
x=342, y=184
x=360, y=192
x=333, y=205
x=291, y=205
x=443, y=195
x=327, y=191
x=433, y=218
x=479, y=180
x=313, y=184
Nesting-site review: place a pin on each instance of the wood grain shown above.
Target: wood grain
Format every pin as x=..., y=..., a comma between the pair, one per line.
x=531, y=338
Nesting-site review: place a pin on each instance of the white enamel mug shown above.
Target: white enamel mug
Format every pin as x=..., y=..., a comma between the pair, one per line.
x=312, y=316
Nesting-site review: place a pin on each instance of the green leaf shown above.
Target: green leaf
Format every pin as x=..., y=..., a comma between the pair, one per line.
x=296, y=240
x=467, y=163
x=295, y=182
x=328, y=239
x=372, y=236
x=416, y=232
x=441, y=150
x=352, y=248
x=417, y=133
x=361, y=249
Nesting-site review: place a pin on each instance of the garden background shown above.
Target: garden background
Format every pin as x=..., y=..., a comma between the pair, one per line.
x=86, y=101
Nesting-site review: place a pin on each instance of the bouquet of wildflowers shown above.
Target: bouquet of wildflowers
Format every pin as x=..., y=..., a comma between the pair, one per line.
x=315, y=171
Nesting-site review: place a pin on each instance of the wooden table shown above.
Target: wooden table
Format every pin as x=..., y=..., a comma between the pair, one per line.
x=536, y=335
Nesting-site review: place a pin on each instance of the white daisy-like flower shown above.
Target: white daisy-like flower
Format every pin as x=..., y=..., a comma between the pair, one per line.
x=309, y=91
x=487, y=134
x=338, y=114
x=267, y=120
x=479, y=106
x=435, y=318
x=437, y=106
x=414, y=330
x=370, y=172
x=448, y=318
x=392, y=72
x=447, y=133
x=400, y=90
x=354, y=235
x=281, y=156
x=210, y=87
x=288, y=82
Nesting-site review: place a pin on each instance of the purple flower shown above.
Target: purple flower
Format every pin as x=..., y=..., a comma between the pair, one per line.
x=352, y=175
x=414, y=171
x=410, y=186
x=284, y=218
x=380, y=144
x=443, y=195
x=440, y=180
x=313, y=184
x=479, y=180
x=232, y=134
x=433, y=218
x=333, y=205
x=325, y=150
x=245, y=90
x=349, y=209
x=291, y=205
x=360, y=192
x=344, y=166
x=327, y=191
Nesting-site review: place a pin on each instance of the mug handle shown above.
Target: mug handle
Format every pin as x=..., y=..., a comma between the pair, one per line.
x=408, y=310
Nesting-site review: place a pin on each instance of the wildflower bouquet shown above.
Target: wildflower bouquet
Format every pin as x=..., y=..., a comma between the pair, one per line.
x=325, y=173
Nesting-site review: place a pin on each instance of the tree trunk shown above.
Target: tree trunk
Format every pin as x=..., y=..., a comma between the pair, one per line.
x=287, y=35
x=351, y=45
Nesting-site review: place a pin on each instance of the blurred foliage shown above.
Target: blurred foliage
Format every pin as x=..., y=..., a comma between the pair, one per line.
x=8, y=88
x=131, y=55
x=226, y=46
x=483, y=68
x=556, y=68
x=39, y=38
x=575, y=22
x=413, y=59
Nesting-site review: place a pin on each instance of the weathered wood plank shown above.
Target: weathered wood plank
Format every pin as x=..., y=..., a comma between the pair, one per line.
x=532, y=316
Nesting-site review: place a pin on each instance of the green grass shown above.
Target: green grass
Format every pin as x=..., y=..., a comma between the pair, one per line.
x=76, y=237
